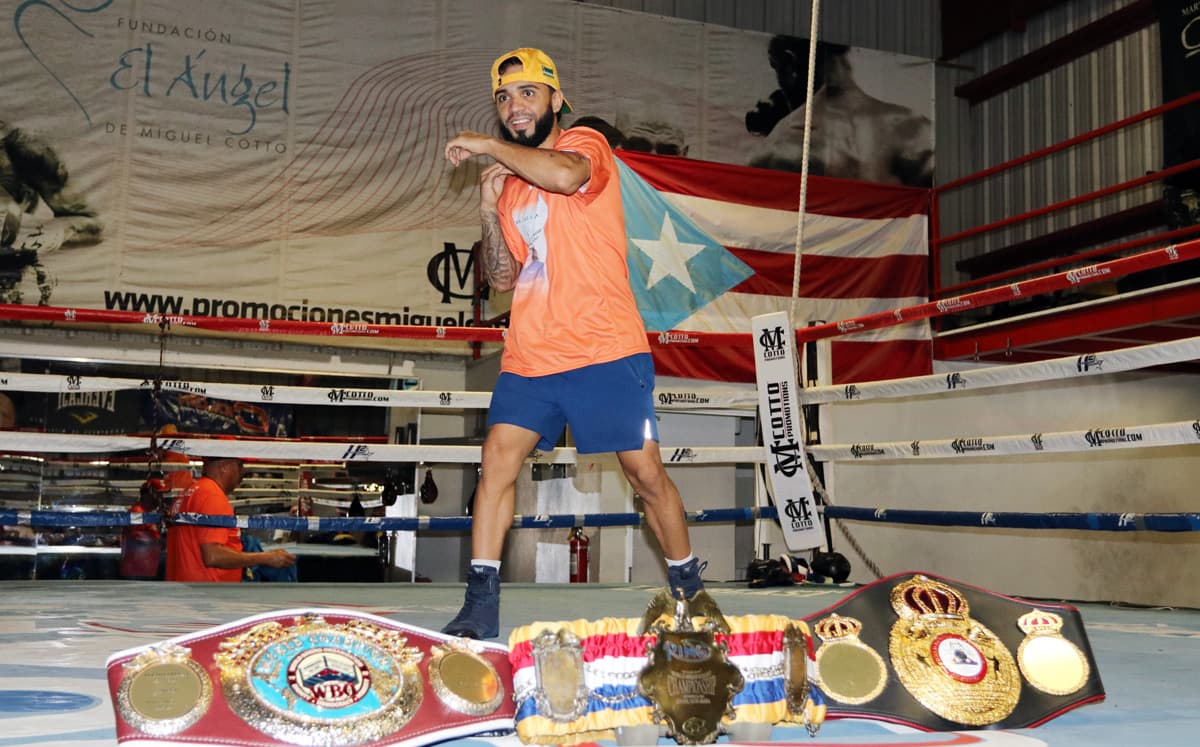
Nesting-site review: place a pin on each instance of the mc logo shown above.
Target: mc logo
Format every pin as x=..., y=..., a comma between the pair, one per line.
x=772, y=340
x=799, y=511
x=449, y=275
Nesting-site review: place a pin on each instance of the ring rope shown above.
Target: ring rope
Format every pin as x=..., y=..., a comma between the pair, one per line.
x=666, y=398
x=1177, y=433
x=694, y=340
x=1085, y=521
x=1054, y=369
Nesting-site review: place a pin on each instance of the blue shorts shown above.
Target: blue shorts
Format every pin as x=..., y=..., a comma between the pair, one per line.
x=609, y=406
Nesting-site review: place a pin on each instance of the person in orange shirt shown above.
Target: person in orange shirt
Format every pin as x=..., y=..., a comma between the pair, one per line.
x=576, y=351
x=201, y=553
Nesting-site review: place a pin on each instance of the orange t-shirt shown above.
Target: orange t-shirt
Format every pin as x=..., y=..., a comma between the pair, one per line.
x=184, y=561
x=572, y=306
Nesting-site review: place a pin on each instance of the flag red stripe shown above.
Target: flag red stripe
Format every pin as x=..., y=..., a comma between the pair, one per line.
x=851, y=362
x=890, y=276
x=719, y=364
x=856, y=362
x=778, y=190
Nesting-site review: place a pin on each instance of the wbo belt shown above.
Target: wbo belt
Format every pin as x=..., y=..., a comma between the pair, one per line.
x=310, y=677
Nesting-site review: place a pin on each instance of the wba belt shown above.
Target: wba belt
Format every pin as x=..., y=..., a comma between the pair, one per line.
x=310, y=677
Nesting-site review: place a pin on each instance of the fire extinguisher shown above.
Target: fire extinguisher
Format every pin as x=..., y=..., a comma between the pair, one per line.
x=579, y=556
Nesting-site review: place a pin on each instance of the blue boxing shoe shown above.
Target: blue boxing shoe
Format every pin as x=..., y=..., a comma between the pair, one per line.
x=479, y=617
x=685, y=579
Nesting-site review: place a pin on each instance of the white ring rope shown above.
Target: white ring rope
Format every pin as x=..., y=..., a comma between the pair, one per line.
x=1131, y=436
x=1055, y=369
x=666, y=398
x=1182, y=433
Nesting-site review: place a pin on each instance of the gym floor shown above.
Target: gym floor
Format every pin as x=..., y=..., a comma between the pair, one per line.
x=56, y=636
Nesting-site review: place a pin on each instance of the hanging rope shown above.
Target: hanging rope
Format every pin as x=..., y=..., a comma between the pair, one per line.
x=156, y=399
x=818, y=487
x=154, y=470
x=808, y=110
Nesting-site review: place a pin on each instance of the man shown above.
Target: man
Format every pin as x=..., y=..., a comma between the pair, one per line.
x=854, y=135
x=576, y=351
x=141, y=544
x=200, y=553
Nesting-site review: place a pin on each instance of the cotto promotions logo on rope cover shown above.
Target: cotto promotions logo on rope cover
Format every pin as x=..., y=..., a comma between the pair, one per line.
x=677, y=338
x=1086, y=363
x=963, y=445
x=858, y=451
x=1102, y=436
x=339, y=396
x=676, y=398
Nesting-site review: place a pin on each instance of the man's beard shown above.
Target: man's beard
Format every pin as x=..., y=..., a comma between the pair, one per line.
x=541, y=130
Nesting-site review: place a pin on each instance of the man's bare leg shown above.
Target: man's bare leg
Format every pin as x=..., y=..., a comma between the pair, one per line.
x=665, y=514
x=504, y=452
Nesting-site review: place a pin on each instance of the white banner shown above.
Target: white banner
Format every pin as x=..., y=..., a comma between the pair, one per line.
x=783, y=431
x=278, y=159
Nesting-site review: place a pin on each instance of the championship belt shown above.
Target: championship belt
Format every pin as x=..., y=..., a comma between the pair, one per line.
x=695, y=674
x=310, y=677
x=939, y=655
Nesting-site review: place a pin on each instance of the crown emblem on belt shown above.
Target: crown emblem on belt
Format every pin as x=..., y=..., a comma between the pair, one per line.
x=921, y=596
x=1039, y=622
x=835, y=627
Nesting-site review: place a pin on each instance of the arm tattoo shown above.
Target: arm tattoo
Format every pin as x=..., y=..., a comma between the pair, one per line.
x=499, y=265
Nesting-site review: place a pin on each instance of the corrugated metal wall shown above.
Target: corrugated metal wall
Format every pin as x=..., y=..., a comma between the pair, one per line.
x=905, y=26
x=1115, y=82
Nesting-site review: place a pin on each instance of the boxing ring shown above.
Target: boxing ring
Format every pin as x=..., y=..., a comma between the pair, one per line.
x=57, y=634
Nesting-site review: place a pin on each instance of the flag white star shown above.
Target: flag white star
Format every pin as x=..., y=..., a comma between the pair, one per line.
x=668, y=255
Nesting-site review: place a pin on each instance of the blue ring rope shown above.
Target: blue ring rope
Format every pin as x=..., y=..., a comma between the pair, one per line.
x=1102, y=522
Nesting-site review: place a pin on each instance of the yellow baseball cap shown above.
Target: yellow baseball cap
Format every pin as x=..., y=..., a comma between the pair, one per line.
x=536, y=67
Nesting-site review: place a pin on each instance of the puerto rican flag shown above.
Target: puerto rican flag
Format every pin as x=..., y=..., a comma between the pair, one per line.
x=712, y=245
